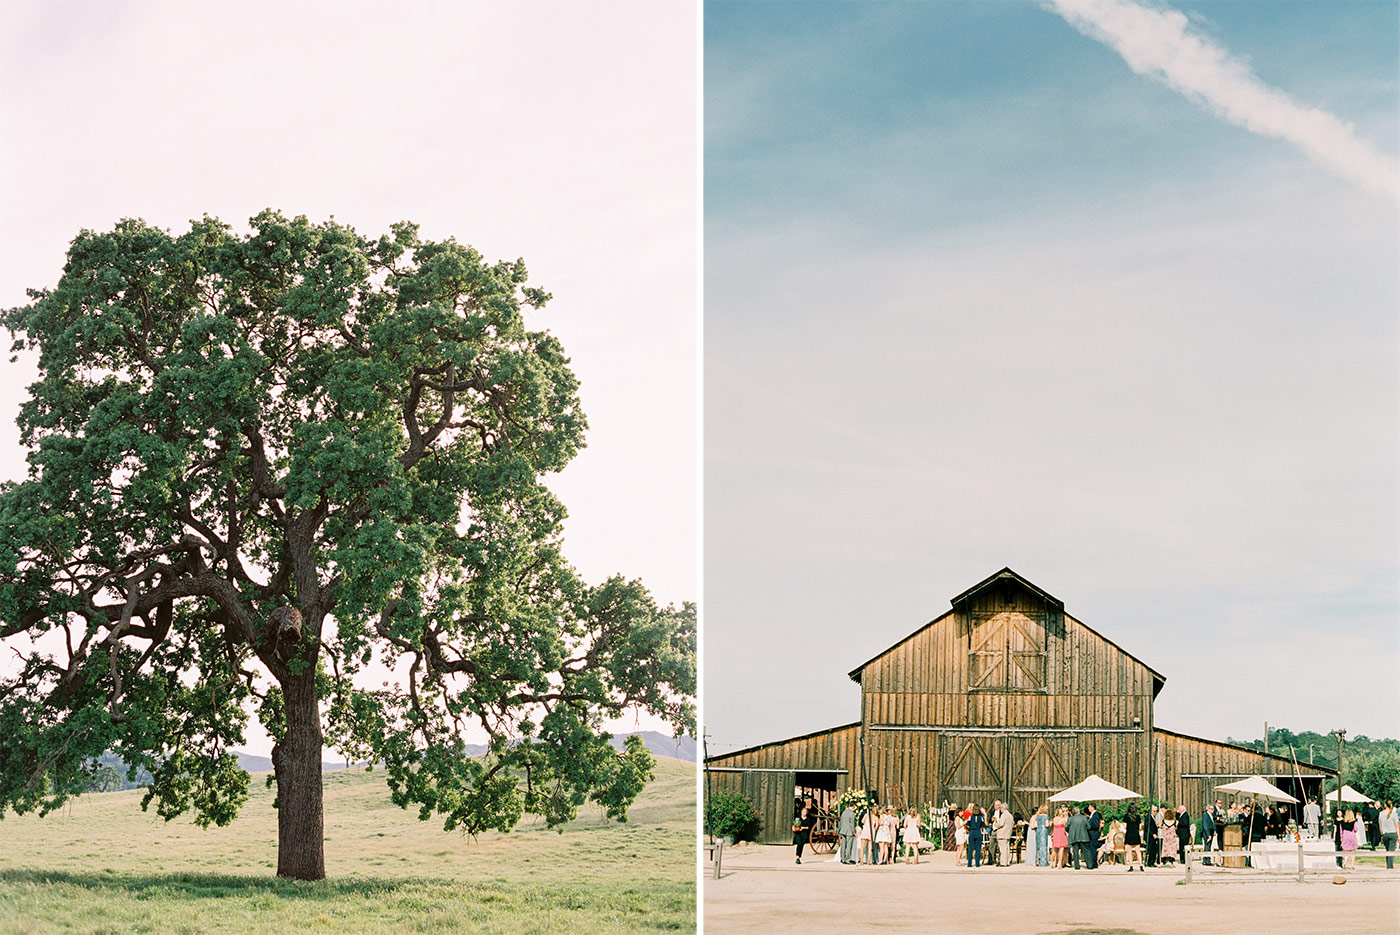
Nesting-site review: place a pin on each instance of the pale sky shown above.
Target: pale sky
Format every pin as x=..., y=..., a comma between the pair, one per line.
x=1103, y=292
x=562, y=133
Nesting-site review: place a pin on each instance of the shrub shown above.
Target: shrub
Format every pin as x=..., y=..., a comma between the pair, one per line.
x=731, y=813
x=1373, y=774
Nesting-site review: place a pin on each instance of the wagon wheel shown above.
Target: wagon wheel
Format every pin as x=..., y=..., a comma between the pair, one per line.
x=824, y=837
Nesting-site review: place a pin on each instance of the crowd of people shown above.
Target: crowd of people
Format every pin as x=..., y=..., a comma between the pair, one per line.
x=1145, y=836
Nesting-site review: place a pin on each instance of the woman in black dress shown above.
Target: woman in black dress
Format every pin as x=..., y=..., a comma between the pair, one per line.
x=802, y=830
x=1132, y=839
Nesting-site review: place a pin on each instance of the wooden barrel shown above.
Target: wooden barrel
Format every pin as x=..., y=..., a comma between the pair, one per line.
x=1234, y=834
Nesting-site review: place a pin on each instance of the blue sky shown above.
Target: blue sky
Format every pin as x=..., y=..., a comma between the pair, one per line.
x=978, y=293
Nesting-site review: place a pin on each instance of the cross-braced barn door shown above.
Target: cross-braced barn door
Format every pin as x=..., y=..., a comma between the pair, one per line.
x=974, y=769
x=1025, y=645
x=1024, y=771
x=1007, y=651
x=1039, y=768
x=987, y=655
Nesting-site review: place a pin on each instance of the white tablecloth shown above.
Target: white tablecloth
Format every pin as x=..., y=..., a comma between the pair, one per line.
x=1283, y=855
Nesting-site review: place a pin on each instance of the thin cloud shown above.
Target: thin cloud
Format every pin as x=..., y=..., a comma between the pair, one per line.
x=1160, y=43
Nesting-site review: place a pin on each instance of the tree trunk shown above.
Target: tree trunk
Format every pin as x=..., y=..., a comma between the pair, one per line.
x=301, y=850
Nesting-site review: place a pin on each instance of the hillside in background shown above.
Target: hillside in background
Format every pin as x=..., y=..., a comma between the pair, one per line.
x=113, y=777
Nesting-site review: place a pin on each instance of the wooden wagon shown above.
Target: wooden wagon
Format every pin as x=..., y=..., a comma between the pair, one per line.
x=824, y=837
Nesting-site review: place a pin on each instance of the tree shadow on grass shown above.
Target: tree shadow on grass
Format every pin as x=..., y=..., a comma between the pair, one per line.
x=215, y=885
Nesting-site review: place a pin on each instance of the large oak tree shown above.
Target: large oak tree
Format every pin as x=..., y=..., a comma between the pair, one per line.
x=260, y=464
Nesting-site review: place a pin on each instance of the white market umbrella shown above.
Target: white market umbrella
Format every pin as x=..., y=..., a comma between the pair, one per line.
x=1094, y=789
x=1348, y=794
x=1259, y=787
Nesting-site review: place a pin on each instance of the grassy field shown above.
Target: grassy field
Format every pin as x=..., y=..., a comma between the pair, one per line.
x=104, y=866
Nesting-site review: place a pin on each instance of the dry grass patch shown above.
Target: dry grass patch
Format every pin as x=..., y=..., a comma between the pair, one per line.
x=104, y=866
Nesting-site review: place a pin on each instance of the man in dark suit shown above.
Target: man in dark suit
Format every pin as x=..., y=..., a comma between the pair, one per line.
x=1095, y=824
x=1207, y=832
x=1077, y=830
x=1183, y=833
x=1256, y=825
x=1371, y=816
x=1218, y=816
x=1151, y=841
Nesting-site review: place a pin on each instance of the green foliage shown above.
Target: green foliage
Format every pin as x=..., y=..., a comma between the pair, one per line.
x=1321, y=747
x=729, y=813
x=1376, y=775
x=104, y=778
x=1117, y=811
x=258, y=463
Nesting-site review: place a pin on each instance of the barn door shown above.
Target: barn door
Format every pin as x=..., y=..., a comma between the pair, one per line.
x=1039, y=768
x=987, y=654
x=1007, y=652
x=974, y=769
x=1025, y=645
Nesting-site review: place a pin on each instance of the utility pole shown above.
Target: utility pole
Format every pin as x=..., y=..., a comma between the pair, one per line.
x=1341, y=735
x=1266, y=738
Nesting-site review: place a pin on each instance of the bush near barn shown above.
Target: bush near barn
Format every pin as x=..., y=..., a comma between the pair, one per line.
x=732, y=814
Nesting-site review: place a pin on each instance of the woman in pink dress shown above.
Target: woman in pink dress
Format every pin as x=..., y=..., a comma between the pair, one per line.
x=886, y=835
x=1350, y=838
x=1168, y=832
x=1059, y=839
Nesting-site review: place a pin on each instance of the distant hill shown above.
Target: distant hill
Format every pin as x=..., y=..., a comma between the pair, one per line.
x=677, y=748
x=659, y=744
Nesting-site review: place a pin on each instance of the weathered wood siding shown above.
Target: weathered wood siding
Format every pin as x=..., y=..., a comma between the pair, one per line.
x=1005, y=696
x=770, y=771
x=1176, y=755
x=926, y=679
x=837, y=748
x=1025, y=769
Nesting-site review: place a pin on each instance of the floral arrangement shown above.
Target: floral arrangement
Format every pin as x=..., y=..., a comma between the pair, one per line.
x=855, y=798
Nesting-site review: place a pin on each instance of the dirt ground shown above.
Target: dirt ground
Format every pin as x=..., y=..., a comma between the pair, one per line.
x=763, y=891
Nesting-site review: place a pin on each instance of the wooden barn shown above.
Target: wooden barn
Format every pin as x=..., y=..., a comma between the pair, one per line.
x=1003, y=696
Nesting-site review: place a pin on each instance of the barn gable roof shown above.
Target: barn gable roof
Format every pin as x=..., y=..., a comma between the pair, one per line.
x=1006, y=574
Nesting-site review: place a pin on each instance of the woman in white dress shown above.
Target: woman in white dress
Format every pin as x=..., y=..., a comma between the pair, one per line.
x=960, y=836
x=885, y=836
x=865, y=833
x=912, y=839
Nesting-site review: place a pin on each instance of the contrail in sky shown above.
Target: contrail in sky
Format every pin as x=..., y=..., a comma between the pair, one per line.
x=1160, y=43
